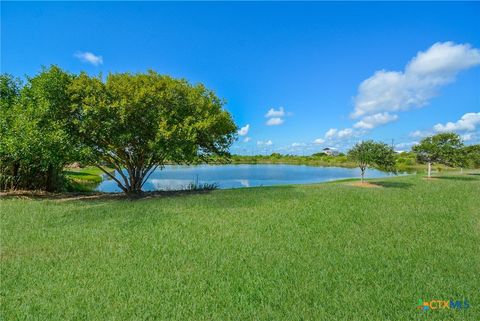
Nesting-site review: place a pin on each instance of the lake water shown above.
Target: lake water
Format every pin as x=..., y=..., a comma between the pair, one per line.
x=236, y=176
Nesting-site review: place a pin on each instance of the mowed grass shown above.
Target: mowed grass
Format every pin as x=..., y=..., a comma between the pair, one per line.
x=86, y=174
x=317, y=252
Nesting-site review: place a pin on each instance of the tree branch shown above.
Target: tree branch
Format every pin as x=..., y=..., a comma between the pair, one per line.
x=146, y=178
x=112, y=177
x=117, y=166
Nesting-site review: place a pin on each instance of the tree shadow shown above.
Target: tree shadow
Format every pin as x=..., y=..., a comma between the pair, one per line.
x=97, y=196
x=457, y=178
x=388, y=184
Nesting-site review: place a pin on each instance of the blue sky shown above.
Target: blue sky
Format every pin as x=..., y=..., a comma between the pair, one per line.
x=342, y=72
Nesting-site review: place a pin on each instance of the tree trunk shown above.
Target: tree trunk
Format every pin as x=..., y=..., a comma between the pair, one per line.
x=362, y=174
x=429, y=170
x=112, y=176
x=132, y=182
x=15, y=170
x=135, y=179
x=51, y=183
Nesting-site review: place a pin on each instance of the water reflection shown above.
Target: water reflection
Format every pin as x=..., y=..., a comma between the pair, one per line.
x=236, y=176
x=244, y=182
x=169, y=184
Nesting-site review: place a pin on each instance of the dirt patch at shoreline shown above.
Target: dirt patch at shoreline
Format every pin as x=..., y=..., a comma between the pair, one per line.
x=365, y=185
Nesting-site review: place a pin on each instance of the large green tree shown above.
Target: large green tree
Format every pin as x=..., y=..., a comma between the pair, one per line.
x=9, y=96
x=36, y=138
x=138, y=122
x=370, y=153
x=443, y=148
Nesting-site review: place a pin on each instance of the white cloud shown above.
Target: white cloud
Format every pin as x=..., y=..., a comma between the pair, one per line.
x=299, y=144
x=331, y=133
x=89, y=58
x=468, y=122
x=466, y=127
x=468, y=137
x=424, y=75
x=266, y=143
x=375, y=120
x=276, y=116
x=472, y=137
x=444, y=60
x=386, y=93
x=335, y=134
x=420, y=133
x=247, y=139
x=405, y=145
x=274, y=121
x=319, y=141
x=275, y=113
x=244, y=130
x=344, y=133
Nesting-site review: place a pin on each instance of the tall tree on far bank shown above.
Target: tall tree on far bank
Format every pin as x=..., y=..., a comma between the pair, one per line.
x=370, y=153
x=138, y=122
x=444, y=148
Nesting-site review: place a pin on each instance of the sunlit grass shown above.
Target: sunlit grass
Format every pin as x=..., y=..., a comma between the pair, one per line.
x=84, y=179
x=317, y=252
x=87, y=174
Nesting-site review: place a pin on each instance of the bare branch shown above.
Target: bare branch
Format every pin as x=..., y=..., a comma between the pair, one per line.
x=113, y=177
x=146, y=178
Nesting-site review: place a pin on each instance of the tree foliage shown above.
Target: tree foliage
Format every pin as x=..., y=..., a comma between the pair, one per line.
x=137, y=122
x=36, y=139
x=472, y=155
x=131, y=122
x=370, y=153
x=9, y=96
x=443, y=148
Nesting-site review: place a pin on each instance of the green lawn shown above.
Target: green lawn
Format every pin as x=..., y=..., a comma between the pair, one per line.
x=84, y=179
x=88, y=174
x=317, y=252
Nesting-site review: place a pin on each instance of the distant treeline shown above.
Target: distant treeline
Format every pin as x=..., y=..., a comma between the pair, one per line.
x=404, y=160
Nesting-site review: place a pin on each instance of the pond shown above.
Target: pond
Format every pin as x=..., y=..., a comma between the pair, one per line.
x=236, y=176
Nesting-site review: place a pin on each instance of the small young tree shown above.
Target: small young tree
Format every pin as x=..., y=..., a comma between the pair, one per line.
x=370, y=153
x=472, y=155
x=461, y=159
x=138, y=122
x=444, y=148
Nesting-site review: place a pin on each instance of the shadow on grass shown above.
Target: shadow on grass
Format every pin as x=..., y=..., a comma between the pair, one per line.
x=388, y=184
x=96, y=196
x=457, y=178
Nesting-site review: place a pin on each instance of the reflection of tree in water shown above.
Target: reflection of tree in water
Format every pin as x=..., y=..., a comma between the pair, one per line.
x=244, y=182
x=169, y=184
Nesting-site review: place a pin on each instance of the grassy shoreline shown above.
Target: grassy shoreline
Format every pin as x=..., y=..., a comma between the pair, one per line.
x=85, y=179
x=313, y=252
